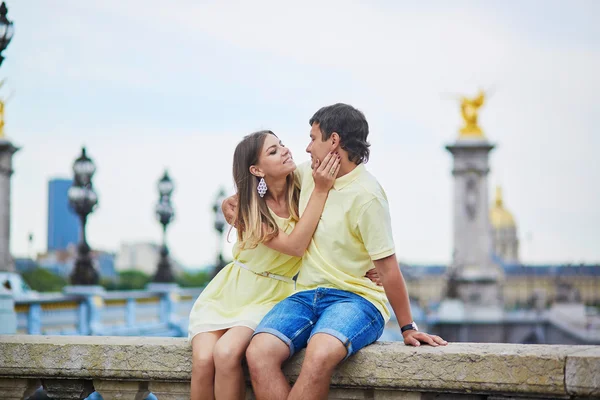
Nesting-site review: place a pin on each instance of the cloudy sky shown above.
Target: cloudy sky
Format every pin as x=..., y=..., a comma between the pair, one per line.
x=151, y=84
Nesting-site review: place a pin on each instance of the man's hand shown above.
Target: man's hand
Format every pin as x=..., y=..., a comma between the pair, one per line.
x=374, y=276
x=229, y=208
x=415, y=338
x=397, y=294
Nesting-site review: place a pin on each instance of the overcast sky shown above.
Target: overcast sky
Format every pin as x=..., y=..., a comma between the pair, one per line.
x=151, y=84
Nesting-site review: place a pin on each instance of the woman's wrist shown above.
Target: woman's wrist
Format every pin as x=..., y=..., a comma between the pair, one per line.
x=320, y=191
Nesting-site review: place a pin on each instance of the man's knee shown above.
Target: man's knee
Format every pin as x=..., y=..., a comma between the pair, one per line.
x=266, y=350
x=325, y=352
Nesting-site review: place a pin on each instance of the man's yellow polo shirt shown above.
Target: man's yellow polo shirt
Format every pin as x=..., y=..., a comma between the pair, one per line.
x=354, y=229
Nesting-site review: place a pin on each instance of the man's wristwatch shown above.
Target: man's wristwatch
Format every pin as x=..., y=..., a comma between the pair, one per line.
x=410, y=327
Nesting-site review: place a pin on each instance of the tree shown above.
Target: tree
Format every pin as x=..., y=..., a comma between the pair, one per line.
x=42, y=280
x=128, y=280
x=191, y=279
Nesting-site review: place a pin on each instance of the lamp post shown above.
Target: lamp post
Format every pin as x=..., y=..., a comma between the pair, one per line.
x=83, y=201
x=164, y=214
x=219, y=227
x=6, y=30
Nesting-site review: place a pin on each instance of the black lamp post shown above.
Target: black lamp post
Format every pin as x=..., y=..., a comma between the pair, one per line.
x=6, y=30
x=165, y=214
x=219, y=227
x=83, y=201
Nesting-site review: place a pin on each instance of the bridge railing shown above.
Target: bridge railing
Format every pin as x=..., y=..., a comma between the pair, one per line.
x=131, y=368
x=162, y=311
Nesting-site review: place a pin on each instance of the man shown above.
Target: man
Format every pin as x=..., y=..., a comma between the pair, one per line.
x=336, y=310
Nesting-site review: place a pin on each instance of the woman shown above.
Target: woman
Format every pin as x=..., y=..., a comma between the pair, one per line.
x=271, y=240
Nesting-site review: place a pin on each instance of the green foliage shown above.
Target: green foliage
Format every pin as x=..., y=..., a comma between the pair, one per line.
x=137, y=280
x=127, y=280
x=42, y=280
x=193, y=279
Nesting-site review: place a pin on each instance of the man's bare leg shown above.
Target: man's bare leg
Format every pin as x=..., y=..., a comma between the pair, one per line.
x=265, y=356
x=323, y=354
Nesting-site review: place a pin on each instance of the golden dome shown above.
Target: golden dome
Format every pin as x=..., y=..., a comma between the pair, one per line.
x=500, y=217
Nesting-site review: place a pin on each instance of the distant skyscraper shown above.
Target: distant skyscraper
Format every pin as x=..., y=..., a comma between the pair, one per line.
x=63, y=223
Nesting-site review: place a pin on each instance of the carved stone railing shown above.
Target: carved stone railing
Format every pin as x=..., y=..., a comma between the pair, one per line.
x=71, y=367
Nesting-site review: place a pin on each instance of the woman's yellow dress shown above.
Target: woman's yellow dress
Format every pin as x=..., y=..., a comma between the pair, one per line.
x=239, y=297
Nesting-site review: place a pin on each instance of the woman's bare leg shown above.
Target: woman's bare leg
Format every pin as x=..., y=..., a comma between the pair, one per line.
x=228, y=354
x=203, y=365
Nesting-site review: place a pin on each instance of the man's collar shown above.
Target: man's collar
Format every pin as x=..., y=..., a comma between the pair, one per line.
x=350, y=177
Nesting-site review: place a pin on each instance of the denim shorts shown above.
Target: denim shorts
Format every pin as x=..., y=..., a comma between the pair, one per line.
x=344, y=315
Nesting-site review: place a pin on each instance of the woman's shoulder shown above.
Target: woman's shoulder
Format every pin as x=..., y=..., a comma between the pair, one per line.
x=284, y=223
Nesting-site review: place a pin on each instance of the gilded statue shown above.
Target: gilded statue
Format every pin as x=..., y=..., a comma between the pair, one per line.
x=2, y=104
x=469, y=109
x=2, y=119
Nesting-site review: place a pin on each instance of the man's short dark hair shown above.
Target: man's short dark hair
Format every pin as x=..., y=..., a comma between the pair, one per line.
x=350, y=124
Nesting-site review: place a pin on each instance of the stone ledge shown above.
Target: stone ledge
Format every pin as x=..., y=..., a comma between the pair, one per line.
x=493, y=369
x=582, y=373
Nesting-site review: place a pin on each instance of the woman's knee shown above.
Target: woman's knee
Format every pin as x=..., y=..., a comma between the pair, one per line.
x=228, y=355
x=203, y=363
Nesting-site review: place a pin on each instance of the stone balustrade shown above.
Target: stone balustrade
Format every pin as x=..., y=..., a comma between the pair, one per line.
x=71, y=367
x=160, y=310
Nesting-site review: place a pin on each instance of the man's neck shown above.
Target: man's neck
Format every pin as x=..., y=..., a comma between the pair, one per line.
x=346, y=167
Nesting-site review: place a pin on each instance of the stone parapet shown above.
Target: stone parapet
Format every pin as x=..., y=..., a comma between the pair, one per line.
x=128, y=367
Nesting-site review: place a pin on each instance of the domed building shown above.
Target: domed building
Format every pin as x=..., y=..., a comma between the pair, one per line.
x=505, y=242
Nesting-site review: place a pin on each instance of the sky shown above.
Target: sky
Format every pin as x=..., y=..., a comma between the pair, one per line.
x=147, y=86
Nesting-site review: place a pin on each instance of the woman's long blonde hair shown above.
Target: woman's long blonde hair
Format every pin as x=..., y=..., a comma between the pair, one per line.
x=254, y=222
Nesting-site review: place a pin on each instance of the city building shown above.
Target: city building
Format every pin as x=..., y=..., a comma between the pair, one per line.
x=505, y=241
x=63, y=224
x=142, y=257
x=523, y=284
x=61, y=262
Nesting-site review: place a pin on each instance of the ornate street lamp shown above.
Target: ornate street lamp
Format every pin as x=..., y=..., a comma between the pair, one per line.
x=83, y=200
x=6, y=30
x=164, y=214
x=220, y=224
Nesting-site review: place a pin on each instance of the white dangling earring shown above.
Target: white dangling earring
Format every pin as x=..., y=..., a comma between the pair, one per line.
x=262, y=187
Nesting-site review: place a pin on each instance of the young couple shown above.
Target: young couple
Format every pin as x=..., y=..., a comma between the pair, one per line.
x=327, y=221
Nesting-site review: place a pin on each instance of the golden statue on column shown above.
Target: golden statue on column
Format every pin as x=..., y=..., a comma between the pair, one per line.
x=2, y=104
x=2, y=119
x=469, y=109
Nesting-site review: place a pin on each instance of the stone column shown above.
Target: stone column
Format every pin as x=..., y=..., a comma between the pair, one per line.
x=474, y=271
x=6, y=152
x=472, y=230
